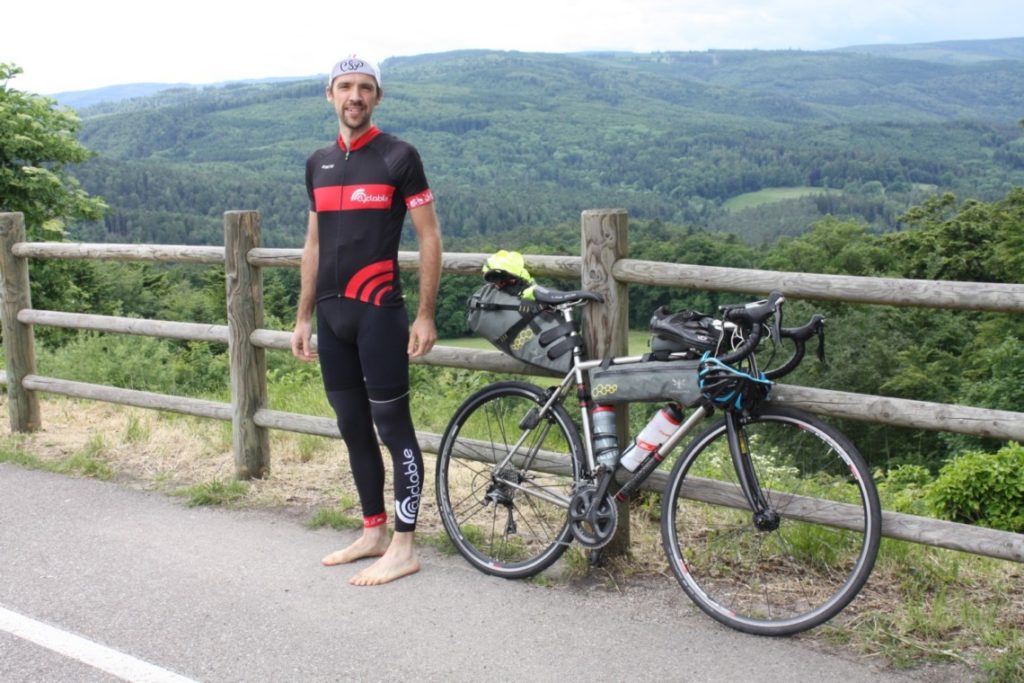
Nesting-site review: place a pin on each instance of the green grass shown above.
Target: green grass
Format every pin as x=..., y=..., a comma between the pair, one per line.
x=84, y=463
x=214, y=493
x=346, y=515
x=770, y=195
x=927, y=605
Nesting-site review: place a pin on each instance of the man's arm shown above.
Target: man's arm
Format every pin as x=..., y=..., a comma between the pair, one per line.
x=302, y=345
x=423, y=333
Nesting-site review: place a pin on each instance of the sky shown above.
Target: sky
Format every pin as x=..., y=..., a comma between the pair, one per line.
x=68, y=45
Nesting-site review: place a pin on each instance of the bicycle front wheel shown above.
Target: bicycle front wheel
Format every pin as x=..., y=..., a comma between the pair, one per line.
x=799, y=564
x=505, y=473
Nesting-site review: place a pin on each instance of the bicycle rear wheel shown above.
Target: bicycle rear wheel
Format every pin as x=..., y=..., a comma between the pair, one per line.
x=508, y=516
x=801, y=564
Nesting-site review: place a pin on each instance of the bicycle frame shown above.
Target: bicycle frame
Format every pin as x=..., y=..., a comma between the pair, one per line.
x=579, y=374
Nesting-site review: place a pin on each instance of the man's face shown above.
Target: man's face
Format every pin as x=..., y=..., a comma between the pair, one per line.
x=354, y=97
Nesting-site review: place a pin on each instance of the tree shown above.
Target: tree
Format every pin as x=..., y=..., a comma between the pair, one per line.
x=37, y=140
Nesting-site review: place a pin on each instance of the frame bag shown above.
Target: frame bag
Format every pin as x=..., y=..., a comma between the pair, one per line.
x=647, y=381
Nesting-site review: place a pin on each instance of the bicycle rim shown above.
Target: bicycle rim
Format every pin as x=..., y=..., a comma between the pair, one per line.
x=782, y=580
x=511, y=520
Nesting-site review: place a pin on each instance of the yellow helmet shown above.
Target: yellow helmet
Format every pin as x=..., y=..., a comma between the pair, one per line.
x=506, y=265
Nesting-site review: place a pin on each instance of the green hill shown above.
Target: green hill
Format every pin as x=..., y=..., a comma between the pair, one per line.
x=520, y=139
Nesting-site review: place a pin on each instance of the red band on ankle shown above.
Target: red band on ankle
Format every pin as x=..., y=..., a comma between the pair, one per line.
x=375, y=520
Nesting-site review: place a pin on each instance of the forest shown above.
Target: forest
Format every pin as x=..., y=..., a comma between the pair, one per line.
x=521, y=139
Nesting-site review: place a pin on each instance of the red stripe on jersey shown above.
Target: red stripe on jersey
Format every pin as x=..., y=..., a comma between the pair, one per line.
x=374, y=289
x=353, y=197
x=381, y=292
x=328, y=198
x=420, y=199
x=380, y=269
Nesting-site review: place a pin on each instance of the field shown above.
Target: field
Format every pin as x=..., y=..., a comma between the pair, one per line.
x=773, y=194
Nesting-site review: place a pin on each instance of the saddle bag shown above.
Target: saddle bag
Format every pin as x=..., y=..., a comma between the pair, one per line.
x=522, y=328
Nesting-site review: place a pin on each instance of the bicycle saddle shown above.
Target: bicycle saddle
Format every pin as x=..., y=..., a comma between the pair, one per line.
x=554, y=297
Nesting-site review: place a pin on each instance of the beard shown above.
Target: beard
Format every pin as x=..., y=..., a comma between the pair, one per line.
x=355, y=119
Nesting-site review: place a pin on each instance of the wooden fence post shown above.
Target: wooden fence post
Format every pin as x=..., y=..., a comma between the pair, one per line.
x=19, y=340
x=250, y=442
x=606, y=326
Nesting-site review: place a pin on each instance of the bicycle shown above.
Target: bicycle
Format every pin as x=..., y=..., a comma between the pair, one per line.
x=770, y=519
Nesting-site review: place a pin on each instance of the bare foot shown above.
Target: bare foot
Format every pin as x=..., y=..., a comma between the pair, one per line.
x=371, y=544
x=399, y=560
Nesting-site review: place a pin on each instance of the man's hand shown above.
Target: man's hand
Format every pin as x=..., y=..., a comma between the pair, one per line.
x=422, y=336
x=302, y=342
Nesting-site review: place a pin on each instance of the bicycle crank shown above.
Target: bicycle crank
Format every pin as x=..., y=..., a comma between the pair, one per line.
x=593, y=521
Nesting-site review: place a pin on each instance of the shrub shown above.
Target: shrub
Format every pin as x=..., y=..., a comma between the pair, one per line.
x=904, y=488
x=982, y=488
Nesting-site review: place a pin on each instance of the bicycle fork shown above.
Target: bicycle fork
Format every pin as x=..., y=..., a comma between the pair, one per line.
x=765, y=517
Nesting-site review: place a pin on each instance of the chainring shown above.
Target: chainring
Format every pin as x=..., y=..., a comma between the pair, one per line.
x=592, y=525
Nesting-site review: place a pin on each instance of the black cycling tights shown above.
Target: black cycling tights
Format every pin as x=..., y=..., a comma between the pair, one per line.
x=365, y=366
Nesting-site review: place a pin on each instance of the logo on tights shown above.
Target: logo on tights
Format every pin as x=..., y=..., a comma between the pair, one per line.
x=407, y=509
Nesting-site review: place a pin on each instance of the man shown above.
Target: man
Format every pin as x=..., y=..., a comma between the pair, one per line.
x=360, y=190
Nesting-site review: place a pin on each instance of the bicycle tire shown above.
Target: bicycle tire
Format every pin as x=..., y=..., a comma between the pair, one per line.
x=500, y=529
x=788, y=579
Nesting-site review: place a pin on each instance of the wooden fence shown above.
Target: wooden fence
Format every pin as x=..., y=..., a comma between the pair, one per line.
x=604, y=266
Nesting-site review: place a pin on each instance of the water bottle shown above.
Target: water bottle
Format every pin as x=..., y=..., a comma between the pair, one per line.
x=606, y=441
x=657, y=431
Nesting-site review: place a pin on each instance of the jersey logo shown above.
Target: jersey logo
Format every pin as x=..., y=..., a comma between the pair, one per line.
x=371, y=283
x=353, y=197
x=361, y=196
x=421, y=199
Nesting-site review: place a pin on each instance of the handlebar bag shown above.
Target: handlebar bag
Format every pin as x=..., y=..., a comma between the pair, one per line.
x=522, y=329
x=647, y=381
x=690, y=332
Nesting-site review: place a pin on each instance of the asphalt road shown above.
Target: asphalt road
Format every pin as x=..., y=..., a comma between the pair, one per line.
x=222, y=595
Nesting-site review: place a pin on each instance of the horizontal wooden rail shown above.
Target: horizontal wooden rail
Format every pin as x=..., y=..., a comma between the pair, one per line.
x=900, y=412
x=452, y=263
x=939, y=533
x=130, y=397
x=995, y=297
x=137, y=326
x=978, y=296
x=120, y=252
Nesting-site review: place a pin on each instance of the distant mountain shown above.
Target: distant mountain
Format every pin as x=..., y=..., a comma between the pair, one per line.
x=948, y=52
x=514, y=139
x=80, y=99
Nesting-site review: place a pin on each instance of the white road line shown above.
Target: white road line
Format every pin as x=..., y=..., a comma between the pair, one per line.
x=75, y=647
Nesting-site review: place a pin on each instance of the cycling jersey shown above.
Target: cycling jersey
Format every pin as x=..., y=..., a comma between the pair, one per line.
x=361, y=196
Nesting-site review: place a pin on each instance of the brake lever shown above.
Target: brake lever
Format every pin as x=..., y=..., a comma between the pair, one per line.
x=776, y=299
